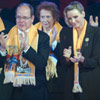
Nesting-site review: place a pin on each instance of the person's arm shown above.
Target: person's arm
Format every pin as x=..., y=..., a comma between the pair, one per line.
x=55, y=49
x=53, y=45
x=93, y=60
x=39, y=58
x=2, y=60
x=3, y=40
x=63, y=45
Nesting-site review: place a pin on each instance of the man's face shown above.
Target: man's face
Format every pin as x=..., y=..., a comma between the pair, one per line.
x=24, y=18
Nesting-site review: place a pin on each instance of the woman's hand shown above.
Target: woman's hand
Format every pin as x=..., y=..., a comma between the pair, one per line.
x=53, y=35
x=67, y=53
x=78, y=58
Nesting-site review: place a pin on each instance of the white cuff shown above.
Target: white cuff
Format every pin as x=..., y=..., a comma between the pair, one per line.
x=53, y=45
x=26, y=49
x=3, y=53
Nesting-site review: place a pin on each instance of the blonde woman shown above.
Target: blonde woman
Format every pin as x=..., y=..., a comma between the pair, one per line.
x=80, y=55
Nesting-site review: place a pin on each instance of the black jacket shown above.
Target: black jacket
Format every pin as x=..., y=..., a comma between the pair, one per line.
x=39, y=59
x=89, y=70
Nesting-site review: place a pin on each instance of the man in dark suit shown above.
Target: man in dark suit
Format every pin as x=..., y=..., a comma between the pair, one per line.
x=80, y=55
x=25, y=53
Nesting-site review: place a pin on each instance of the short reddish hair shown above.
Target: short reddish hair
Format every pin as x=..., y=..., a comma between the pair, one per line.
x=50, y=6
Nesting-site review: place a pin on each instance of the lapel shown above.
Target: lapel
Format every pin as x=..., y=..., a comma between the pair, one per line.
x=70, y=39
x=87, y=38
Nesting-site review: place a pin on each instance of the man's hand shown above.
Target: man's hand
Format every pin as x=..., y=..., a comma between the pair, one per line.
x=24, y=40
x=3, y=41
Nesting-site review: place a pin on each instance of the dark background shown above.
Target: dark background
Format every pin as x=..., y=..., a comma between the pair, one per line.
x=92, y=7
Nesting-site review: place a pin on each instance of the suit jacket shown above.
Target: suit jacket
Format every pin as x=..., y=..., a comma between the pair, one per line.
x=8, y=25
x=89, y=70
x=39, y=59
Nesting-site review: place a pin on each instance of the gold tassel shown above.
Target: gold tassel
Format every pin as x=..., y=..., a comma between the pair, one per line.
x=77, y=88
x=51, y=70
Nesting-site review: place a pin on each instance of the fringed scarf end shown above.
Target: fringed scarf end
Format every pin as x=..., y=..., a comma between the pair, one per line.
x=77, y=88
x=23, y=80
x=9, y=77
x=51, y=70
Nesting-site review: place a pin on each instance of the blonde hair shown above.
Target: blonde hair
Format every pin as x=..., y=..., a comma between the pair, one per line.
x=73, y=5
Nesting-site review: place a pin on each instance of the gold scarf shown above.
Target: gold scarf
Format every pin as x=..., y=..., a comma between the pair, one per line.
x=51, y=70
x=13, y=49
x=57, y=26
x=2, y=27
x=77, y=46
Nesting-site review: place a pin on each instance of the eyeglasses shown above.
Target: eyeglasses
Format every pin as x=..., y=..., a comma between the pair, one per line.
x=24, y=18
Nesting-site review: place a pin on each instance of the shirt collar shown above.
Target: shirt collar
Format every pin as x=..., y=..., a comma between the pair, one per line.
x=21, y=32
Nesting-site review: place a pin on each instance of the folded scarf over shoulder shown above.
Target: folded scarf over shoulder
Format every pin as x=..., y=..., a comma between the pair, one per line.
x=2, y=27
x=19, y=70
x=51, y=70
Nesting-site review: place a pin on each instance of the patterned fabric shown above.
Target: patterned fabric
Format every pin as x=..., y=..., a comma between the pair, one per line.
x=18, y=70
